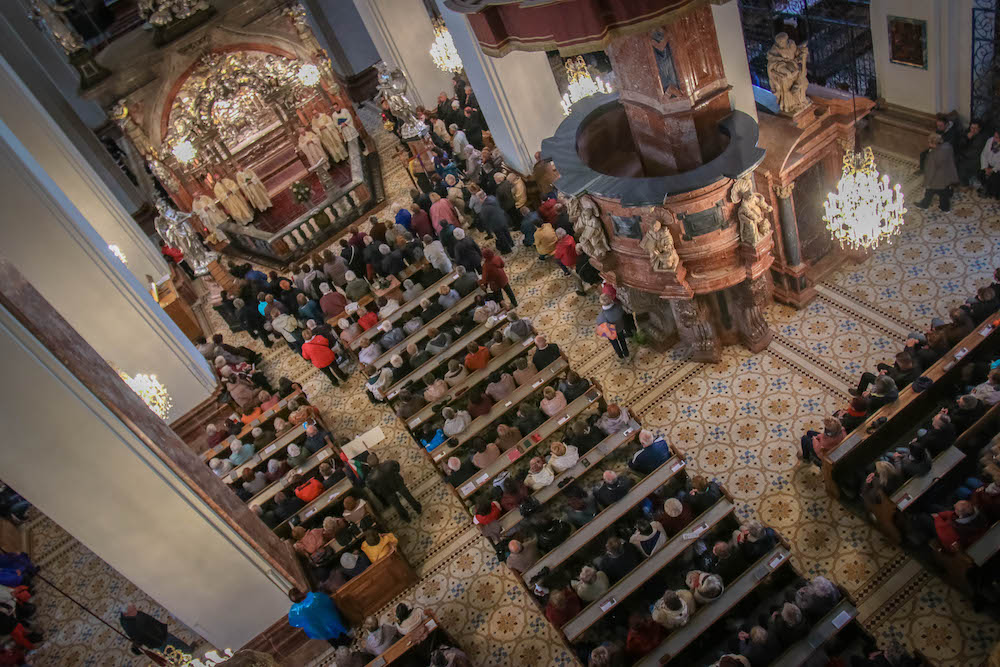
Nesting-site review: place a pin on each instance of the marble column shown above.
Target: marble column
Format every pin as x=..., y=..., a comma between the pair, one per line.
x=729, y=28
x=402, y=33
x=517, y=93
x=50, y=239
x=83, y=448
x=789, y=225
x=74, y=174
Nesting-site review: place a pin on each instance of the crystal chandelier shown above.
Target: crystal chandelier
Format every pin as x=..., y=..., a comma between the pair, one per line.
x=581, y=83
x=117, y=252
x=443, y=50
x=308, y=75
x=184, y=151
x=150, y=391
x=864, y=211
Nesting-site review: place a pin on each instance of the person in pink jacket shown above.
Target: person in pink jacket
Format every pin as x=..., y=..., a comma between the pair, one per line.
x=442, y=210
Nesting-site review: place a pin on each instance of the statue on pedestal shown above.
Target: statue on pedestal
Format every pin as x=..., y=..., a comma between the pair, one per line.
x=392, y=88
x=660, y=245
x=172, y=226
x=587, y=226
x=786, y=71
x=754, y=225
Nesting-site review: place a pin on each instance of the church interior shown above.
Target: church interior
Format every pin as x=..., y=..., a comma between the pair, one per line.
x=500, y=332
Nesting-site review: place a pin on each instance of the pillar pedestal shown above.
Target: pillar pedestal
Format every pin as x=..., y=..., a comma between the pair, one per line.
x=695, y=330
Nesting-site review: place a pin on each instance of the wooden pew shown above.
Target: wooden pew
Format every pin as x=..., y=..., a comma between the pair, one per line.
x=823, y=631
x=374, y=588
x=322, y=501
x=607, y=516
x=397, y=281
x=265, y=417
x=436, y=323
x=899, y=414
x=308, y=465
x=514, y=351
x=535, y=438
x=366, y=336
x=457, y=347
x=605, y=447
x=957, y=564
x=635, y=579
x=478, y=424
x=277, y=445
x=408, y=642
x=705, y=617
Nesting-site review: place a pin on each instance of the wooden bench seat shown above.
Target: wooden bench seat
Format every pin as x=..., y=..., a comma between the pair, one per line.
x=409, y=307
x=265, y=417
x=526, y=445
x=514, y=351
x=605, y=447
x=638, y=577
x=823, y=631
x=478, y=424
x=328, y=497
x=403, y=646
x=277, y=445
x=583, y=535
x=460, y=307
x=706, y=616
x=272, y=489
x=986, y=546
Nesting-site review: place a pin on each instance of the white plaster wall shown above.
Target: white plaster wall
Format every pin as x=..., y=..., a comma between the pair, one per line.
x=402, y=33
x=55, y=247
x=944, y=85
x=729, y=29
x=70, y=457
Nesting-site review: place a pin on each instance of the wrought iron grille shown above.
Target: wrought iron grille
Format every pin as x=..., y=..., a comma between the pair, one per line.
x=839, y=35
x=985, y=63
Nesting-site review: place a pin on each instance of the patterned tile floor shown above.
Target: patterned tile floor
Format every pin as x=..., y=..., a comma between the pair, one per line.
x=738, y=420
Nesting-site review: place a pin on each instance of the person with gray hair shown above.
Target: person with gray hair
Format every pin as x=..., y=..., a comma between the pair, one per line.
x=458, y=140
x=467, y=281
x=436, y=255
x=817, y=597
x=356, y=287
x=466, y=251
x=590, y=584
x=789, y=624
x=411, y=290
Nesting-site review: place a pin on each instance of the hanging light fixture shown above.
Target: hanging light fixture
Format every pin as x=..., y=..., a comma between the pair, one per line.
x=865, y=211
x=581, y=83
x=117, y=252
x=149, y=389
x=443, y=50
x=308, y=74
x=184, y=151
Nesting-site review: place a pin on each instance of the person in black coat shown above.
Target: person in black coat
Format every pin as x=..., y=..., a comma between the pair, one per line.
x=250, y=317
x=146, y=631
x=467, y=252
x=619, y=558
x=496, y=221
x=384, y=479
x=613, y=488
x=473, y=128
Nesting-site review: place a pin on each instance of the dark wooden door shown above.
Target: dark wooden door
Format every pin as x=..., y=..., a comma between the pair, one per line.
x=811, y=190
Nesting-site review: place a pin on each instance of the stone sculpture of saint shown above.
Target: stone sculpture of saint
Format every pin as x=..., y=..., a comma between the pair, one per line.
x=587, y=226
x=231, y=198
x=786, y=71
x=254, y=189
x=660, y=245
x=172, y=226
x=312, y=148
x=211, y=216
x=754, y=225
x=329, y=135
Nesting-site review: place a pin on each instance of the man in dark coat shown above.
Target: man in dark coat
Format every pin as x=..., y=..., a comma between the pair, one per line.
x=384, y=479
x=146, y=631
x=496, y=221
x=467, y=252
x=250, y=317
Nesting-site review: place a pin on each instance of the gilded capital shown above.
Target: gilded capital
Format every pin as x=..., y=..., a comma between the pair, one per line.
x=784, y=191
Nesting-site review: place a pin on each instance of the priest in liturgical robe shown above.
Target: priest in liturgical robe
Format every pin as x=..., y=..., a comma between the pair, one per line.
x=311, y=147
x=229, y=195
x=254, y=189
x=345, y=123
x=211, y=217
x=323, y=125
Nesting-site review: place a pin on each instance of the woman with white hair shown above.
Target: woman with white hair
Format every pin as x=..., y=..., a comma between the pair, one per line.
x=296, y=455
x=455, y=421
x=240, y=453
x=817, y=597
x=221, y=467
x=348, y=330
x=590, y=584
x=704, y=586
x=378, y=385
x=411, y=290
x=356, y=287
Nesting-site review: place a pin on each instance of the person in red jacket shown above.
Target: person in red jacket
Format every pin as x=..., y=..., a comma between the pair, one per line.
x=366, y=319
x=317, y=350
x=477, y=357
x=565, y=254
x=495, y=278
x=563, y=605
x=309, y=491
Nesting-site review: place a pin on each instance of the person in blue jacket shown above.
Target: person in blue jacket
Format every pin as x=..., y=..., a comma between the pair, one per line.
x=316, y=614
x=653, y=453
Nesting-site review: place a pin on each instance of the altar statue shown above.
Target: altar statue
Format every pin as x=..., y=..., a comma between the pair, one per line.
x=311, y=147
x=660, y=245
x=392, y=88
x=254, y=189
x=345, y=123
x=211, y=217
x=786, y=71
x=323, y=126
x=172, y=226
x=231, y=198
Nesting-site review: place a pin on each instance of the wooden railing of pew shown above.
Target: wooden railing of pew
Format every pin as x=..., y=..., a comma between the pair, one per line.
x=397, y=282
x=265, y=417
x=456, y=310
x=860, y=447
x=406, y=308
x=423, y=637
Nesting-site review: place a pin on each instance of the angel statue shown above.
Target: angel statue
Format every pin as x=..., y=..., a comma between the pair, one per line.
x=754, y=225
x=660, y=245
x=175, y=230
x=587, y=226
x=392, y=88
x=786, y=71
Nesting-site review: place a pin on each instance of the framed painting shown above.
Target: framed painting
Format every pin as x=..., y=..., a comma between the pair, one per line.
x=908, y=42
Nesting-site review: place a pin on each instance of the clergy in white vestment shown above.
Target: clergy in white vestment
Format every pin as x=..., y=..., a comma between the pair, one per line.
x=254, y=189
x=311, y=147
x=323, y=125
x=211, y=216
x=345, y=123
x=231, y=198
